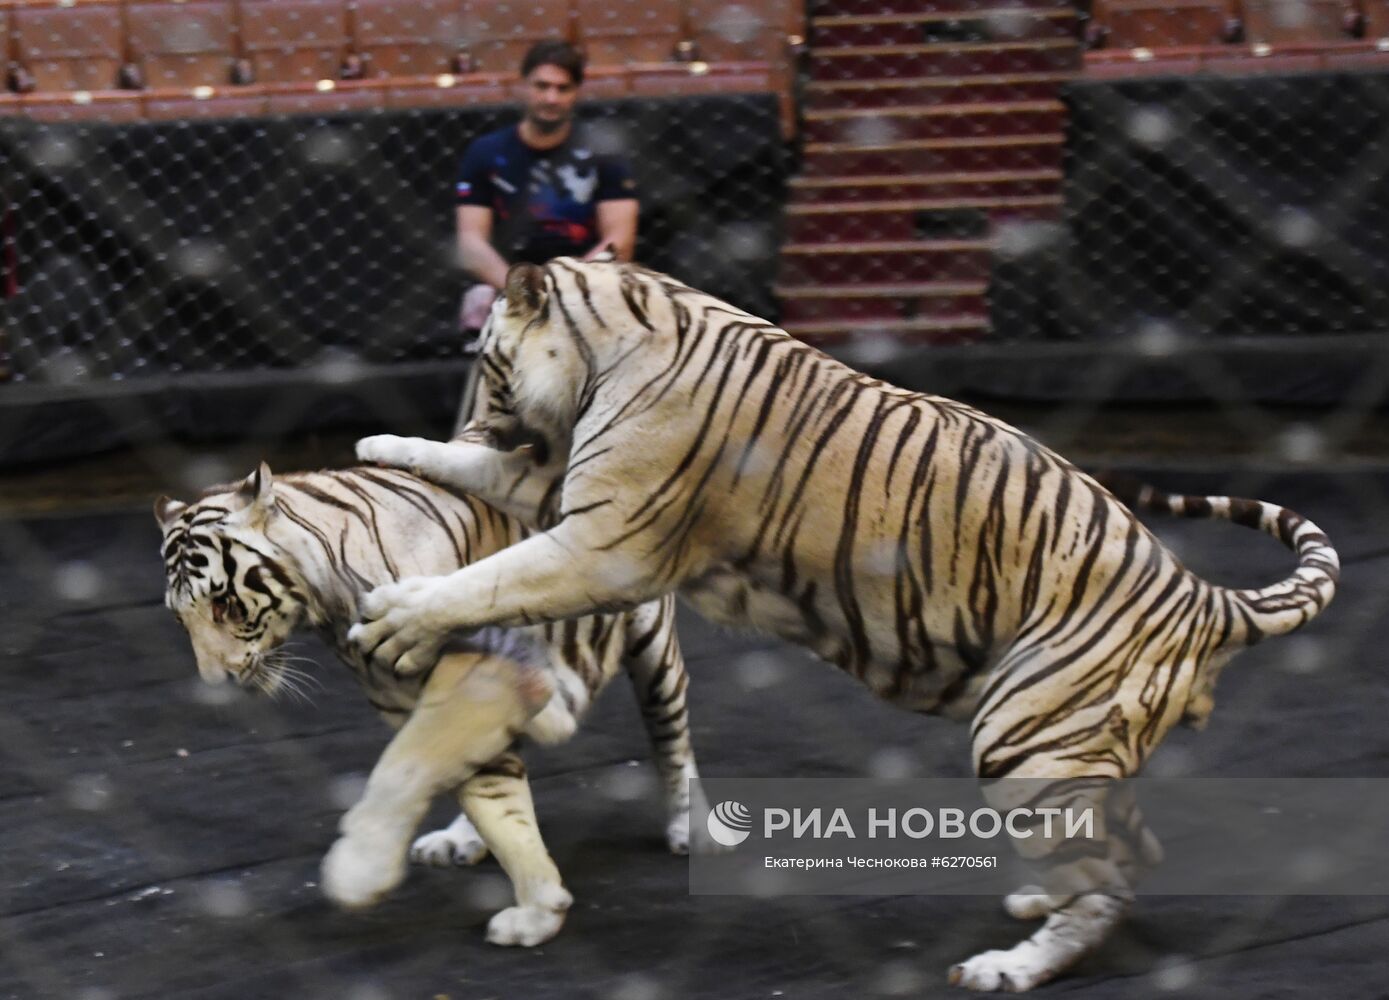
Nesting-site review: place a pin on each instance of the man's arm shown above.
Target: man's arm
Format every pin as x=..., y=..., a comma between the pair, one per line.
x=617, y=228
x=475, y=250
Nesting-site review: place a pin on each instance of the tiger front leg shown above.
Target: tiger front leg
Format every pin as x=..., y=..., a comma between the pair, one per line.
x=549, y=577
x=471, y=467
x=657, y=670
x=509, y=479
x=469, y=713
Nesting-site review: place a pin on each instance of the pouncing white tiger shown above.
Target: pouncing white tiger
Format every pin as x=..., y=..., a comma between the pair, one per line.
x=948, y=561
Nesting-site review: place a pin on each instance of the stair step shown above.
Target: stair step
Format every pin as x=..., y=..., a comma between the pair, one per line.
x=852, y=302
x=889, y=246
x=858, y=126
x=938, y=110
x=922, y=205
x=844, y=8
x=892, y=261
x=939, y=13
x=914, y=156
x=888, y=92
x=897, y=186
x=999, y=23
x=911, y=218
x=884, y=290
x=869, y=340
x=860, y=62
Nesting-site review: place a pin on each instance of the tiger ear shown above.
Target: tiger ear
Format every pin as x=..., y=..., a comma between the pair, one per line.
x=525, y=289
x=166, y=510
x=258, y=490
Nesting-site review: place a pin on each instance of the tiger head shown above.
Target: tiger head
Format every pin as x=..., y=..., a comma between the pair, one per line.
x=230, y=587
x=554, y=333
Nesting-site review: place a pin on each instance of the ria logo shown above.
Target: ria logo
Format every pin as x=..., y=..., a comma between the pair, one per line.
x=730, y=823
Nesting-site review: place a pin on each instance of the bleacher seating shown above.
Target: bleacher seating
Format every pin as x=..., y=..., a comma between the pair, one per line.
x=79, y=106
x=181, y=45
x=1153, y=24
x=500, y=31
x=724, y=32
x=617, y=34
x=408, y=37
x=326, y=97
x=227, y=102
x=1374, y=15
x=294, y=40
x=1183, y=37
x=118, y=60
x=66, y=48
x=1281, y=21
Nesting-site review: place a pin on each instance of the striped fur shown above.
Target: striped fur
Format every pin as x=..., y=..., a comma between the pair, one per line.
x=948, y=561
x=246, y=566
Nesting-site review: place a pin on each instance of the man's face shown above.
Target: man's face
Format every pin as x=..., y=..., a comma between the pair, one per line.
x=550, y=98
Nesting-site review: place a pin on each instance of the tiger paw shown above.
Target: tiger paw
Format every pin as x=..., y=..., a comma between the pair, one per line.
x=528, y=926
x=401, y=626
x=356, y=874
x=698, y=839
x=389, y=450
x=448, y=849
x=1030, y=902
x=1015, y=970
x=554, y=723
x=678, y=834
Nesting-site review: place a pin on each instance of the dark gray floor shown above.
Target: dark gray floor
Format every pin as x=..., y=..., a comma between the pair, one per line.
x=155, y=843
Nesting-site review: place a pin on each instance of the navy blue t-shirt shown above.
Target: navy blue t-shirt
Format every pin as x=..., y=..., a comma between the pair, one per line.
x=544, y=202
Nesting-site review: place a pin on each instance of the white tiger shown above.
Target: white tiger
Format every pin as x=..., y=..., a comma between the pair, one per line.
x=247, y=565
x=943, y=558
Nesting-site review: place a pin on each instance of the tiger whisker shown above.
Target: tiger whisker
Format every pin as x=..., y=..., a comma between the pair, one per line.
x=297, y=685
x=296, y=688
x=296, y=694
x=308, y=679
x=281, y=656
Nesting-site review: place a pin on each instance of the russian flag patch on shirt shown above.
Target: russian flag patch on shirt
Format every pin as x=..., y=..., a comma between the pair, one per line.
x=464, y=189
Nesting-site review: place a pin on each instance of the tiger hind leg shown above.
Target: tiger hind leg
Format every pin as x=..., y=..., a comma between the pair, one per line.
x=469, y=712
x=460, y=843
x=498, y=801
x=1133, y=848
x=1086, y=897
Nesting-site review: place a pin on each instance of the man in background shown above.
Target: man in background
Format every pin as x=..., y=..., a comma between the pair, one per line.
x=535, y=190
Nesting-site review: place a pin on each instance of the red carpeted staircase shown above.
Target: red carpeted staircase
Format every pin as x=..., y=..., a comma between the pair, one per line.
x=924, y=130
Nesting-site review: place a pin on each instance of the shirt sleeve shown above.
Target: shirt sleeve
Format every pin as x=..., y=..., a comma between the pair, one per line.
x=474, y=185
x=615, y=180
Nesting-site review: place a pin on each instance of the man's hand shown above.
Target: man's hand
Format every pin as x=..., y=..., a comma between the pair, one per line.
x=604, y=247
x=476, y=305
x=617, y=227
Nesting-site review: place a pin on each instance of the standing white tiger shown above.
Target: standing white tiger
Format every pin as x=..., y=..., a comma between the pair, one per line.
x=948, y=561
x=247, y=565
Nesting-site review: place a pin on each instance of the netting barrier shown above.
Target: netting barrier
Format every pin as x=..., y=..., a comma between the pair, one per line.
x=1155, y=234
